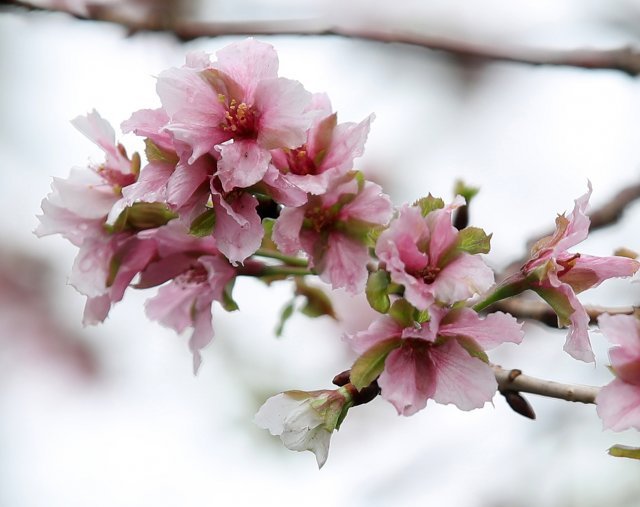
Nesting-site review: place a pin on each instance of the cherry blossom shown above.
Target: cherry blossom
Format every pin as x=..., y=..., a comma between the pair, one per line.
x=440, y=358
x=429, y=257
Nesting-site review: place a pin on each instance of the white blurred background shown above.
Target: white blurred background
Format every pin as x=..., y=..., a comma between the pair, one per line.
x=112, y=415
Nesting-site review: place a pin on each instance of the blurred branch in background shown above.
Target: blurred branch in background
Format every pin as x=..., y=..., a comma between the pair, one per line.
x=177, y=17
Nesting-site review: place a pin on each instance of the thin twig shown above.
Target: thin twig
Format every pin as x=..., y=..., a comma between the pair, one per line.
x=514, y=380
x=524, y=308
x=625, y=59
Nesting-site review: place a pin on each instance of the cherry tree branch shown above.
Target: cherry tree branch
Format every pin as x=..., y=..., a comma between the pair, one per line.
x=515, y=380
x=625, y=59
x=523, y=308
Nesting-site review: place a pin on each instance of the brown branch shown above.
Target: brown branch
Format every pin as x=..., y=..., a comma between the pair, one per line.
x=624, y=59
x=515, y=381
x=524, y=308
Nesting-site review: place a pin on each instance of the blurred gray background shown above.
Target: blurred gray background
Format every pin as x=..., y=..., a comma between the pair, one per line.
x=112, y=415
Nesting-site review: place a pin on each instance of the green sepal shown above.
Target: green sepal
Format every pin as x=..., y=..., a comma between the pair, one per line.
x=376, y=291
x=114, y=267
x=136, y=163
x=465, y=191
x=402, y=312
x=317, y=302
x=369, y=365
x=156, y=154
x=473, y=240
x=228, y=303
x=429, y=204
x=203, y=224
x=421, y=316
x=623, y=451
x=509, y=288
x=142, y=215
x=285, y=315
x=472, y=347
x=267, y=242
x=558, y=302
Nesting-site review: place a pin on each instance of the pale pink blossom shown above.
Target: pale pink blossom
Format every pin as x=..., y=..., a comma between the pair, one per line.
x=618, y=403
x=421, y=253
x=305, y=421
x=237, y=104
x=328, y=152
x=333, y=228
x=186, y=300
x=558, y=275
x=437, y=359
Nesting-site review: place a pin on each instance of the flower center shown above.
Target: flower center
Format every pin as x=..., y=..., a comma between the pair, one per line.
x=196, y=275
x=300, y=163
x=319, y=218
x=240, y=120
x=428, y=274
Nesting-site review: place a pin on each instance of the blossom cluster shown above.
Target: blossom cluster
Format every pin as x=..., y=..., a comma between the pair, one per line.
x=246, y=173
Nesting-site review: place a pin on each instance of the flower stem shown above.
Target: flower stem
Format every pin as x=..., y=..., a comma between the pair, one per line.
x=287, y=259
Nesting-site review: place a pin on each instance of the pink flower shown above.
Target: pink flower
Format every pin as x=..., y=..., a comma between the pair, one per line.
x=237, y=105
x=328, y=152
x=77, y=206
x=333, y=230
x=425, y=255
x=618, y=403
x=186, y=301
x=438, y=359
x=557, y=276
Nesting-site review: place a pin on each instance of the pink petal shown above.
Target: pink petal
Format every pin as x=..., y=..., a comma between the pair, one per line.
x=495, y=329
x=238, y=230
x=282, y=189
x=344, y=264
x=578, y=344
x=589, y=271
x=578, y=227
x=247, y=63
x=150, y=123
x=286, y=231
x=242, y=164
x=381, y=329
x=370, y=205
x=187, y=179
x=96, y=310
x=283, y=121
x=443, y=234
x=408, y=379
x=465, y=276
x=465, y=381
x=194, y=109
x=618, y=405
x=347, y=143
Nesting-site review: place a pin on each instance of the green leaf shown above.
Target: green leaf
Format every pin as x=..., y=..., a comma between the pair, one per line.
x=286, y=314
x=402, y=312
x=473, y=240
x=203, y=224
x=156, y=154
x=228, y=303
x=376, y=291
x=623, y=451
x=114, y=267
x=428, y=204
x=317, y=302
x=465, y=191
x=369, y=365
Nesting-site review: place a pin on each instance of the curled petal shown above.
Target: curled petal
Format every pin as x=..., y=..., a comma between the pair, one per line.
x=463, y=277
x=489, y=332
